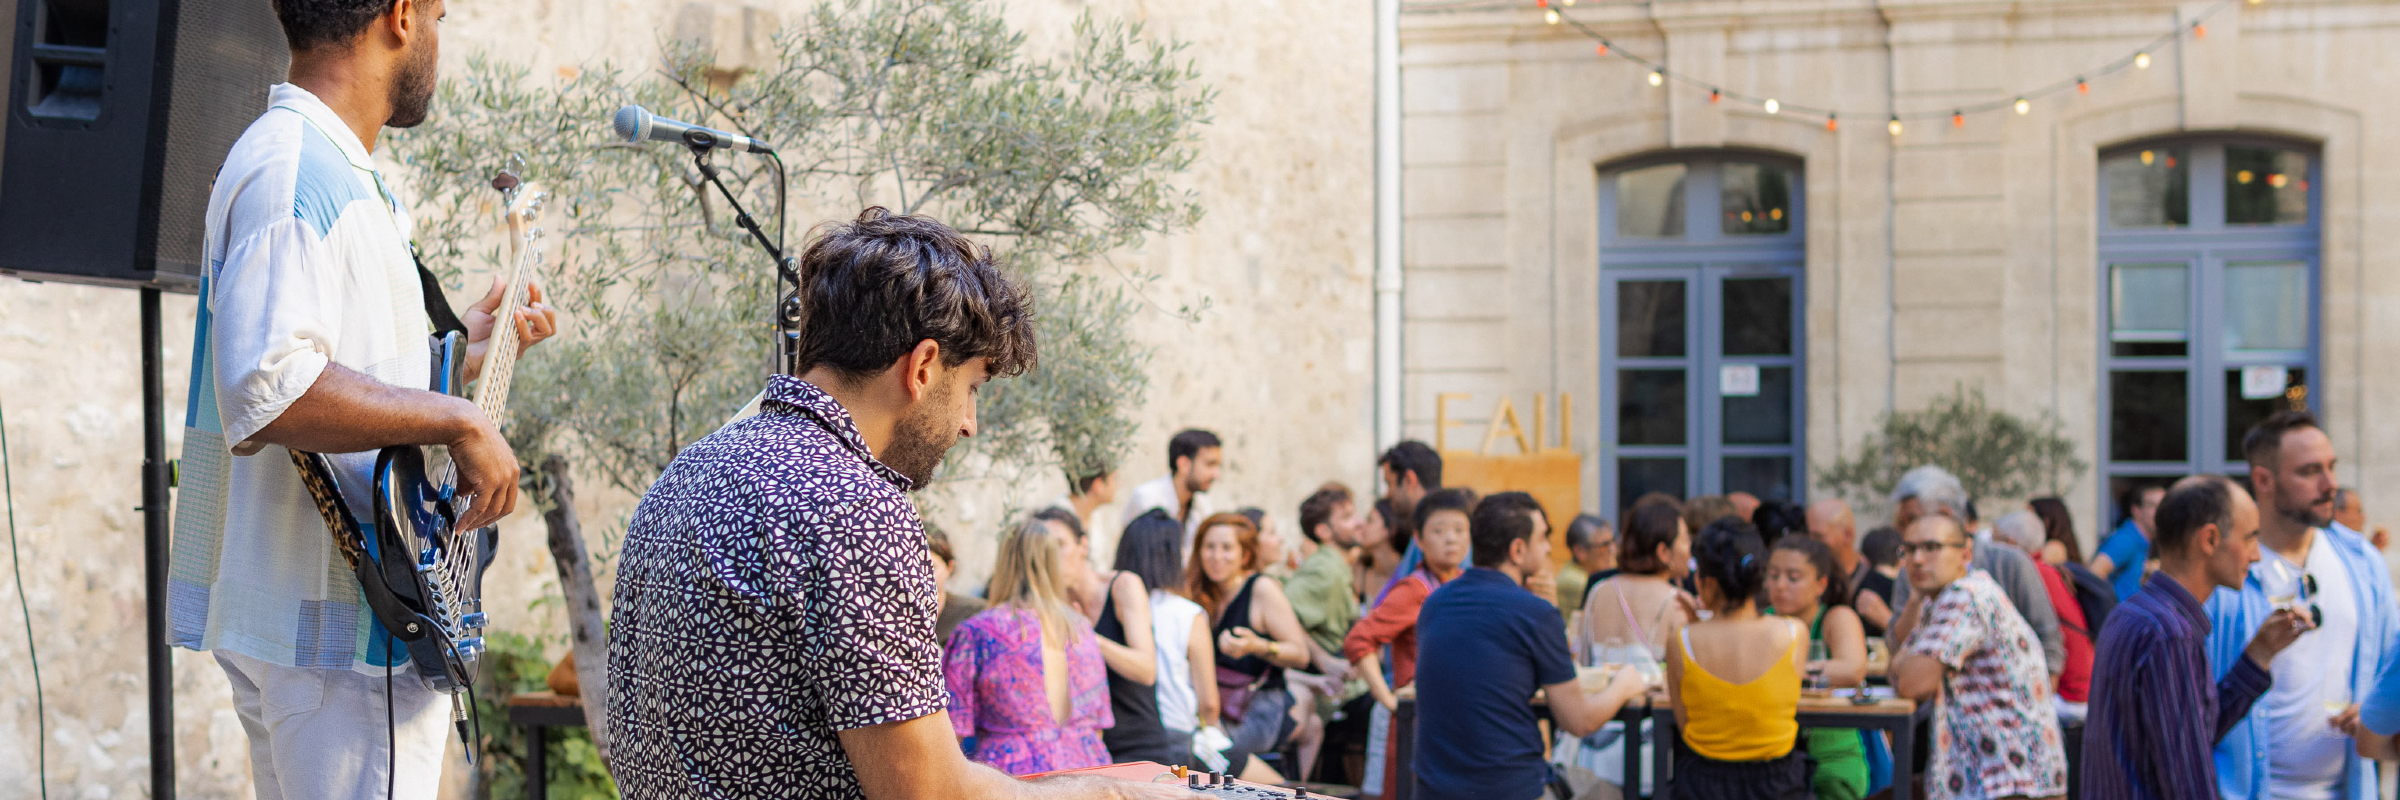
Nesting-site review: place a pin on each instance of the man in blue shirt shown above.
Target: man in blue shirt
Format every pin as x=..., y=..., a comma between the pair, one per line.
x=2295, y=742
x=1486, y=644
x=2123, y=555
x=2157, y=716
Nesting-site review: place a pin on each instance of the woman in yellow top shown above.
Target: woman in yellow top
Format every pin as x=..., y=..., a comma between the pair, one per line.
x=1734, y=679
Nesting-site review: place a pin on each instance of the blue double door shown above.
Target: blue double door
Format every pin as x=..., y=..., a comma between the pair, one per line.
x=1702, y=381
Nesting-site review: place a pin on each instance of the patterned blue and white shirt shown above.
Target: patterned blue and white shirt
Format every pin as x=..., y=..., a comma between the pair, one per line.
x=309, y=265
x=773, y=591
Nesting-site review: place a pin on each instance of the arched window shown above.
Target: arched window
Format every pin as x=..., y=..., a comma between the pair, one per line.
x=2209, y=261
x=1700, y=301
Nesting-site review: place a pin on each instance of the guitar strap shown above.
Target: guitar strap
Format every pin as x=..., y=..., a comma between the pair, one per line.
x=437, y=305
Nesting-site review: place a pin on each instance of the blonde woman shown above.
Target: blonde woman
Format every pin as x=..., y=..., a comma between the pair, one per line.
x=1025, y=676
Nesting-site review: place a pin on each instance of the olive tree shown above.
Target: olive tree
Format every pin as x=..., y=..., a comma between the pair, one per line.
x=924, y=106
x=1995, y=454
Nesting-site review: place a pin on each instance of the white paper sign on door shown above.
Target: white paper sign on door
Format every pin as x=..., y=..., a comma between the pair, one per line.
x=1738, y=380
x=2260, y=383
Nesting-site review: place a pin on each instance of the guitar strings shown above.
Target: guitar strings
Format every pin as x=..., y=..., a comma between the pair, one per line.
x=16, y=561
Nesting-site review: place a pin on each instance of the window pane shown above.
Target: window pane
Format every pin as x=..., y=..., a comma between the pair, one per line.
x=1758, y=317
x=2149, y=309
x=2242, y=410
x=1640, y=476
x=2119, y=509
x=1757, y=198
x=2149, y=188
x=2146, y=416
x=2265, y=186
x=1767, y=477
x=1766, y=418
x=1650, y=201
x=2266, y=306
x=1650, y=406
x=1650, y=319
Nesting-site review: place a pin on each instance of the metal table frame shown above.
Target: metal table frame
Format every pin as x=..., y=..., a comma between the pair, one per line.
x=537, y=721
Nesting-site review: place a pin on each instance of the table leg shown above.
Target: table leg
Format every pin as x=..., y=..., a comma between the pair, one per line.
x=537, y=773
x=1404, y=751
x=1632, y=741
x=1904, y=757
x=1663, y=737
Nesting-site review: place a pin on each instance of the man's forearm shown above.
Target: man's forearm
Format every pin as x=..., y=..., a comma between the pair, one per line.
x=347, y=412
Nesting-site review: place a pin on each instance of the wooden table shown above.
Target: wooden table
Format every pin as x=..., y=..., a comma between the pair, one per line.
x=538, y=712
x=1897, y=717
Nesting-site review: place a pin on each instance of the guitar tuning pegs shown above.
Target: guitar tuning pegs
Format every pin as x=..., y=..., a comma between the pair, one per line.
x=472, y=620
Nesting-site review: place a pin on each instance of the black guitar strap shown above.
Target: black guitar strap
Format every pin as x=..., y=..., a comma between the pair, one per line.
x=437, y=305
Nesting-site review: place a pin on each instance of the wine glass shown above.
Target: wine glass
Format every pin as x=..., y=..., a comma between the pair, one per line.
x=1816, y=682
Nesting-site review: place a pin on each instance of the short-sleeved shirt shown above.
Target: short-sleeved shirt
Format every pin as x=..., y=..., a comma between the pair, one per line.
x=308, y=265
x=773, y=591
x=1488, y=645
x=2128, y=551
x=1322, y=597
x=1996, y=732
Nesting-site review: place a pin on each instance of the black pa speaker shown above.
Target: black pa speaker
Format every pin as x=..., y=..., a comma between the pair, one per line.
x=119, y=113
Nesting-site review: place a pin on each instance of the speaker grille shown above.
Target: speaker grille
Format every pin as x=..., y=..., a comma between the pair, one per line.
x=227, y=54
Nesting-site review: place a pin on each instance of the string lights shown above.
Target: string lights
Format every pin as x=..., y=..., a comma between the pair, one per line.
x=2021, y=103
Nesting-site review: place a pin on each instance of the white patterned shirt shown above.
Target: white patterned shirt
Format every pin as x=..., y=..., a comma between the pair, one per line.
x=308, y=265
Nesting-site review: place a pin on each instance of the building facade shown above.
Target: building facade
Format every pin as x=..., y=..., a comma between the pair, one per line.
x=1737, y=233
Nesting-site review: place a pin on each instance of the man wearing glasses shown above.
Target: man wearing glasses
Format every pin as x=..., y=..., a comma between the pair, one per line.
x=2296, y=743
x=1960, y=640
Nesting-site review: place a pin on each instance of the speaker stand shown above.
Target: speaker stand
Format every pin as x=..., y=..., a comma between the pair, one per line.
x=154, y=553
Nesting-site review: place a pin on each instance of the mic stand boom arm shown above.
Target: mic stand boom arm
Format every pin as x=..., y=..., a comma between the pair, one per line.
x=787, y=316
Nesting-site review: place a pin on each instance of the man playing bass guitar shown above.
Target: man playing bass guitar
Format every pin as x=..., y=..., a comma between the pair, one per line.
x=312, y=336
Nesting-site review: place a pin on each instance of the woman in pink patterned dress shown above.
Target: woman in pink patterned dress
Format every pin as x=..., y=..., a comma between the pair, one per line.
x=1025, y=676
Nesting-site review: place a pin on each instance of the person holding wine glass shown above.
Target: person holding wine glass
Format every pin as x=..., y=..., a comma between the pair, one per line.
x=1801, y=585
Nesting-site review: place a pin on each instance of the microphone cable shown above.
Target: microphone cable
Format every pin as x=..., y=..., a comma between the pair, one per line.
x=16, y=562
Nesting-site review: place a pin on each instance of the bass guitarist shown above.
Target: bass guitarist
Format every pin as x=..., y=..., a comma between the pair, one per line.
x=313, y=335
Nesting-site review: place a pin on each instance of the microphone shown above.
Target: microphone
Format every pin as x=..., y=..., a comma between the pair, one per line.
x=637, y=124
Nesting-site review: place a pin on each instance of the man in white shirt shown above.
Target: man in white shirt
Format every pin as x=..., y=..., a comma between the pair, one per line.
x=1194, y=458
x=2292, y=745
x=313, y=335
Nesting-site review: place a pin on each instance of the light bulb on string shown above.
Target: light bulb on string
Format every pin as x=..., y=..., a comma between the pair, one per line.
x=1566, y=2
x=2141, y=60
x=2082, y=87
x=1603, y=49
x=1550, y=16
x=2199, y=31
x=1773, y=107
x=1657, y=77
x=1541, y=3
x=1831, y=123
x=2024, y=106
x=1714, y=96
x=1958, y=119
x=1893, y=126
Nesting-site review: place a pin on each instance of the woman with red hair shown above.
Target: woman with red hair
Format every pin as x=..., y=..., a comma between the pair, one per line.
x=1223, y=578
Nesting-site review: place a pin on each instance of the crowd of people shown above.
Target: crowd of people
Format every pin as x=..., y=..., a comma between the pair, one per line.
x=1214, y=641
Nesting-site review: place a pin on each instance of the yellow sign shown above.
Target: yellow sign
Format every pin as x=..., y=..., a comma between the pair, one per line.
x=1553, y=474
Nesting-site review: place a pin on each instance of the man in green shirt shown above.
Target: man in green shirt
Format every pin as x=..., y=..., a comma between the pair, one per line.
x=1326, y=602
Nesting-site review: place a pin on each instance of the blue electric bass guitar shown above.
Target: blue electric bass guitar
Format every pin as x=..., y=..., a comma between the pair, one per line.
x=421, y=576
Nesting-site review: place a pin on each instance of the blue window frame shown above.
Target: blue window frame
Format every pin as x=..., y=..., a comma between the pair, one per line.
x=2209, y=269
x=1702, y=376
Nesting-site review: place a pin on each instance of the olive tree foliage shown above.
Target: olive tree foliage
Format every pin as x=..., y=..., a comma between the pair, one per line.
x=923, y=106
x=1995, y=454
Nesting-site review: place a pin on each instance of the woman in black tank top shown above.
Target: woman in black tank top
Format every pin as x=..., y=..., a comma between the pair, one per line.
x=1258, y=637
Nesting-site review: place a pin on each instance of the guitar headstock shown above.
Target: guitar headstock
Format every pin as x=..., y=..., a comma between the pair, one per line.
x=521, y=208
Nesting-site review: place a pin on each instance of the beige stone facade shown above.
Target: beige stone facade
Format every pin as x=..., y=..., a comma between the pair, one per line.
x=1939, y=256
x=1279, y=366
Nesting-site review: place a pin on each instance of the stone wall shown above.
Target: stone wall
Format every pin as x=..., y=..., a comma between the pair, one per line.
x=1942, y=256
x=1280, y=366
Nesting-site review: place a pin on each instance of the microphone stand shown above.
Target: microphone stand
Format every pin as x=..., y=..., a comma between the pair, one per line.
x=787, y=316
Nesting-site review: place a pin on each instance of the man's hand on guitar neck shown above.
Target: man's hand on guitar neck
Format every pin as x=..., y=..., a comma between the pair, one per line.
x=535, y=321
x=347, y=412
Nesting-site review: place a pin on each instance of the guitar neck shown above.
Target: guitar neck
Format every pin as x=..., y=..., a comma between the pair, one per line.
x=500, y=354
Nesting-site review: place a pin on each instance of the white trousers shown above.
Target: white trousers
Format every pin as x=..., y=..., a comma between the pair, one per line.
x=321, y=733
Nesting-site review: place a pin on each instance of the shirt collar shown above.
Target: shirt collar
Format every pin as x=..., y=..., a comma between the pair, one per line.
x=2182, y=598
x=787, y=395
x=306, y=104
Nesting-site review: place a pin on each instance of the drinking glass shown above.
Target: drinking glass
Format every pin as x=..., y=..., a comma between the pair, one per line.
x=1817, y=656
